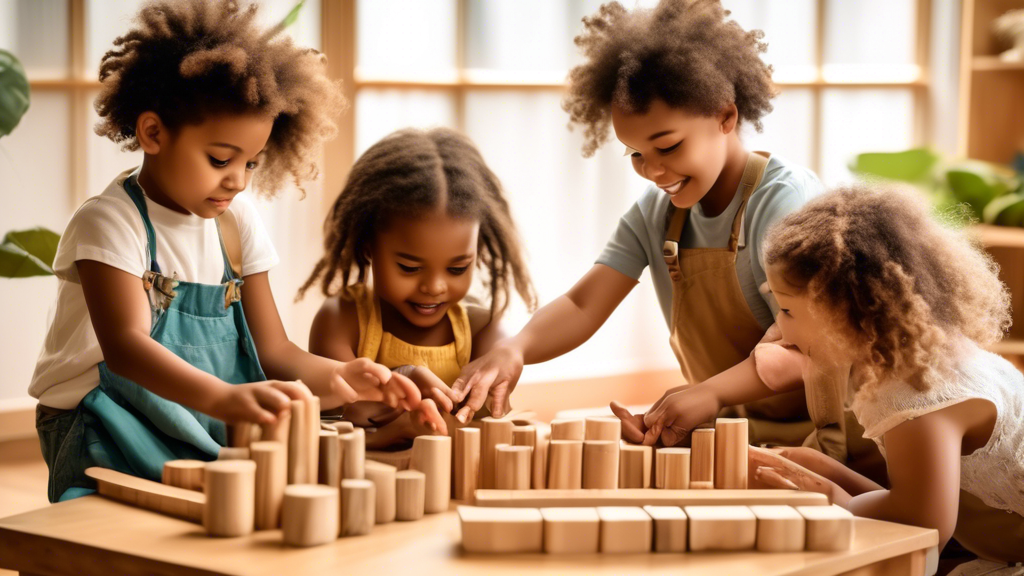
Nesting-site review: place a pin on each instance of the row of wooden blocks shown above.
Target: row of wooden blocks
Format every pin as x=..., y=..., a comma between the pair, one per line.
x=589, y=454
x=630, y=529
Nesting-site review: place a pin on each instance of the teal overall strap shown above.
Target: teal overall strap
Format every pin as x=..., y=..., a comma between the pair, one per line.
x=135, y=193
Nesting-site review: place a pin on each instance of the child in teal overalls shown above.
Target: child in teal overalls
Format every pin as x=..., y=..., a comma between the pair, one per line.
x=149, y=352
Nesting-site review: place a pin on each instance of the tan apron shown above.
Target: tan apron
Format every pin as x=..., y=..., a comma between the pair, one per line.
x=713, y=329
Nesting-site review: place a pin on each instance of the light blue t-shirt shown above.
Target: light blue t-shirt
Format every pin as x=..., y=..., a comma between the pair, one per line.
x=638, y=240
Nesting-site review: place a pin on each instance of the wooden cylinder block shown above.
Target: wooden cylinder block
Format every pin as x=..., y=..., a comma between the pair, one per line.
x=229, y=453
x=567, y=429
x=329, y=463
x=432, y=455
x=383, y=477
x=353, y=454
x=240, y=435
x=603, y=428
x=540, y=461
x=524, y=436
x=309, y=514
x=467, y=462
x=341, y=426
x=731, y=453
x=601, y=464
x=513, y=467
x=677, y=468
x=271, y=477
x=634, y=466
x=313, y=439
x=493, y=431
x=230, y=487
x=358, y=507
x=565, y=464
x=298, y=453
x=278, y=431
x=702, y=457
x=410, y=493
x=187, y=474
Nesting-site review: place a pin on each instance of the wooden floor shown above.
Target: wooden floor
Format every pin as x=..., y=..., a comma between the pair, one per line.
x=23, y=479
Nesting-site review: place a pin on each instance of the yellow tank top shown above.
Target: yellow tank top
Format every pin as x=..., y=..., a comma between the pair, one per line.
x=384, y=348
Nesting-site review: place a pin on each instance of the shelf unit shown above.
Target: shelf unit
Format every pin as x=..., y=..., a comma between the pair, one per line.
x=1006, y=245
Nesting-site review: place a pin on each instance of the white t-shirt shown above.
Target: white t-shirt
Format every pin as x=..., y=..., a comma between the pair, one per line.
x=109, y=229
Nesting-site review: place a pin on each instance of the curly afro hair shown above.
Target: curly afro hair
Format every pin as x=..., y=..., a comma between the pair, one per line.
x=683, y=52
x=189, y=60
x=899, y=286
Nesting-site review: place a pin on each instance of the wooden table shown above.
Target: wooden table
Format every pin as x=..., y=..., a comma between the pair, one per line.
x=92, y=535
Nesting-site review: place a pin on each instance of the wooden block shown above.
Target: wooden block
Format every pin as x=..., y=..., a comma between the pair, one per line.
x=383, y=477
x=410, y=493
x=670, y=524
x=524, y=436
x=187, y=474
x=400, y=459
x=278, y=431
x=568, y=429
x=329, y=460
x=702, y=458
x=353, y=454
x=313, y=438
x=492, y=432
x=571, y=530
x=309, y=514
x=169, y=500
x=642, y=497
x=829, y=528
x=659, y=468
x=340, y=426
x=467, y=462
x=603, y=428
x=358, y=506
x=705, y=485
x=228, y=453
x=625, y=529
x=240, y=435
x=230, y=487
x=601, y=464
x=271, y=477
x=432, y=455
x=634, y=466
x=501, y=530
x=731, y=453
x=298, y=452
x=677, y=468
x=721, y=528
x=565, y=464
x=512, y=465
x=779, y=528
x=539, y=467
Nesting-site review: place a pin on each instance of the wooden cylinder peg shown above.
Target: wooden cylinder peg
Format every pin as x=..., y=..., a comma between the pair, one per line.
x=634, y=466
x=309, y=514
x=567, y=429
x=603, y=428
x=677, y=468
x=432, y=455
x=358, y=507
x=329, y=463
x=565, y=464
x=467, y=462
x=353, y=454
x=702, y=458
x=383, y=477
x=540, y=461
x=240, y=435
x=731, y=453
x=410, y=493
x=513, y=467
x=271, y=477
x=187, y=474
x=298, y=452
x=230, y=487
x=601, y=464
x=493, y=431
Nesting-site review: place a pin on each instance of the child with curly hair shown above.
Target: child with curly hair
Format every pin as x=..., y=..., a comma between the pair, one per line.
x=149, y=352
x=675, y=83
x=867, y=278
x=420, y=212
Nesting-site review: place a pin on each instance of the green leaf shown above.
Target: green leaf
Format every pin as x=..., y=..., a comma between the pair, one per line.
x=28, y=253
x=1007, y=210
x=909, y=166
x=14, y=92
x=292, y=16
x=976, y=187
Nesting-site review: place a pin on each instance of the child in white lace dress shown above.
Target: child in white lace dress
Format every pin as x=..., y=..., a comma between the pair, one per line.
x=867, y=278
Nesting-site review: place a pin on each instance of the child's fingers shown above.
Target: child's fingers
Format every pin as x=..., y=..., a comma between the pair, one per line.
x=408, y=394
x=475, y=401
x=771, y=477
x=431, y=417
x=294, y=390
x=342, y=389
x=443, y=401
x=272, y=397
x=499, y=398
x=375, y=373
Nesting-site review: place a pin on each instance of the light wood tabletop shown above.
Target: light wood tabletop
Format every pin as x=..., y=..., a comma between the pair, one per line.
x=92, y=535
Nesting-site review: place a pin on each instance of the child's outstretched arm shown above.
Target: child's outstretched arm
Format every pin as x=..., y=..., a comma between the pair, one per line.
x=121, y=317
x=562, y=325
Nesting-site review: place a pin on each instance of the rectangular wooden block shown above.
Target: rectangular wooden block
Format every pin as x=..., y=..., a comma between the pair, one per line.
x=721, y=528
x=779, y=528
x=634, y=466
x=467, y=462
x=642, y=497
x=625, y=529
x=571, y=530
x=501, y=530
x=829, y=528
x=731, y=453
x=493, y=431
x=670, y=525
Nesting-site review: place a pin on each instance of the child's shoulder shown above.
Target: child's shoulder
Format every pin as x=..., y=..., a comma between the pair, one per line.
x=336, y=322
x=783, y=177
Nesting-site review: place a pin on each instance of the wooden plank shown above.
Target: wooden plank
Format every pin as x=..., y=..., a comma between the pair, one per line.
x=154, y=496
x=644, y=497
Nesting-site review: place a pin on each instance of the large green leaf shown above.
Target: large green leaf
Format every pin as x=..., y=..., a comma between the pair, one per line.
x=26, y=253
x=292, y=16
x=909, y=166
x=14, y=92
x=977, y=186
x=1007, y=210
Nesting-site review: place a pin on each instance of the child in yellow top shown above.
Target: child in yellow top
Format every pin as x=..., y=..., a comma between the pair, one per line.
x=419, y=213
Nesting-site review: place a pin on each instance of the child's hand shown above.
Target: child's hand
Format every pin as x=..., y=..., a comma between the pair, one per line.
x=633, y=427
x=430, y=386
x=494, y=374
x=675, y=416
x=363, y=379
x=774, y=469
x=258, y=402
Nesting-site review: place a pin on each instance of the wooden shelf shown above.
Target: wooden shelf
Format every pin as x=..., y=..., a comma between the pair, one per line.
x=1000, y=236
x=993, y=63
x=1008, y=346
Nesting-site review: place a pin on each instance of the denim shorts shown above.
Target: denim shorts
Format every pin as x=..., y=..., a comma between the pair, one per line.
x=62, y=441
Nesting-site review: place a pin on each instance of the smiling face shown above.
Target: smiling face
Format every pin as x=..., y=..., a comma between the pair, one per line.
x=422, y=265
x=682, y=153
x=199, y=168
